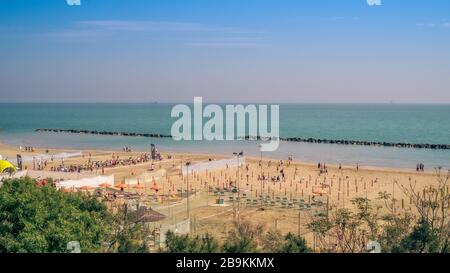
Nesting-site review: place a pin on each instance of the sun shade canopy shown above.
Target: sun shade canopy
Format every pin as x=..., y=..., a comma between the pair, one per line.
x=6, y=166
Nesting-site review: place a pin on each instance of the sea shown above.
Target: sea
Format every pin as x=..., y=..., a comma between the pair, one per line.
x=406, y=123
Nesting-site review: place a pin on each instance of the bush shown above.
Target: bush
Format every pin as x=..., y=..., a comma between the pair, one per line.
x=42, y=219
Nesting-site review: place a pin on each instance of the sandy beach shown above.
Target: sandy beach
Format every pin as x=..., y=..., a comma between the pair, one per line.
x=280, y=207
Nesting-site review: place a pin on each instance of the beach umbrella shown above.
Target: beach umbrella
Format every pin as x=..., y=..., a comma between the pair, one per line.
x=105, y=185
x=121, y=185
x=155, y=187
x=6, y=166
x=86, y=188
x=139, y=186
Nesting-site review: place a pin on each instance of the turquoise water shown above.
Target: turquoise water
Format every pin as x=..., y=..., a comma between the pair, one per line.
x=372, y=122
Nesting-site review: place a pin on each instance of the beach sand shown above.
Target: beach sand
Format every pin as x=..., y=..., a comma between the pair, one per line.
x=301, y=179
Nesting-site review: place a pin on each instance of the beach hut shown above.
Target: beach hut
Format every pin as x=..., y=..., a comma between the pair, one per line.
x=6, y=167
x=146, y=215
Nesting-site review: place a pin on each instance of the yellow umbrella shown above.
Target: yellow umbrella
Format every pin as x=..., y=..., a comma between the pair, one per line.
x=6, y=165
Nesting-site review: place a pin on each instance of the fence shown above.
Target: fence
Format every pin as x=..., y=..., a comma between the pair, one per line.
x=213, y=165
x=88, y=181
x=180, y=228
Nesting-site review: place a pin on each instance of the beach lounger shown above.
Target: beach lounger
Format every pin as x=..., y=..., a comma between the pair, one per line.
x=304, y=206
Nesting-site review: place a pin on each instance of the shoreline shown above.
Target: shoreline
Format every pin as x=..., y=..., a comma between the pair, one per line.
x=303, y=182
x=40, y=150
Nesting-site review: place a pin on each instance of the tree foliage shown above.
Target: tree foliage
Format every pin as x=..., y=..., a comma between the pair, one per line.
x=243, y=238
x=42, y=219
x=426, y=231
x=186, y=244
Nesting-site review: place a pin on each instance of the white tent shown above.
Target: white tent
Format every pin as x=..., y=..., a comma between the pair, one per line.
x=213, y=165
x=88, y=181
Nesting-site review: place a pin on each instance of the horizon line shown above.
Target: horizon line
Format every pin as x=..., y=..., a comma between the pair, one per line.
x=227, y=102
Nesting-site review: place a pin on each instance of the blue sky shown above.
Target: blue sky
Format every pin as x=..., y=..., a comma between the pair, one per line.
x=225, y=51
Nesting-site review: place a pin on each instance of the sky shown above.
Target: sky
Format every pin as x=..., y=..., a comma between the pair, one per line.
x=303, y=51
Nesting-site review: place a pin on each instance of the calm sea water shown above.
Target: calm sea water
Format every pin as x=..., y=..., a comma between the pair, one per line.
x=373, y=122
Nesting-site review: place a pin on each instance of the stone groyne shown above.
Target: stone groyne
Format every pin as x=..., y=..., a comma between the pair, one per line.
x=287, y=139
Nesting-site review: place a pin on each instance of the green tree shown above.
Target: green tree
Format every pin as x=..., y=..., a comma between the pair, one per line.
x=186, y=244
x=293, y=244
x=422, y=239
x=393, y=231
x=272, y=241
x=128, y=235
x=42, y=219
x=243, y=239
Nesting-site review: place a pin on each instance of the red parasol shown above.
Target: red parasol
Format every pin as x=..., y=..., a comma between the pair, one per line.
x=155, y=187
x=139, y=186
x=86, y=188
x=121, y=185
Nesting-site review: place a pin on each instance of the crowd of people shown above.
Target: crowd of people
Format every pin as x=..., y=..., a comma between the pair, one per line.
x=280, y=177
x=93, y=165
x=26, y=149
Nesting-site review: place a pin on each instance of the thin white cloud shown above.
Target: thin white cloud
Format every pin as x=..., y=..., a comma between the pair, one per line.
x=104, y=28
x=160, y=26
x=434, y=25
x=373, y=2
x=78, y=34
x=227, y=42
x=342, y=18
